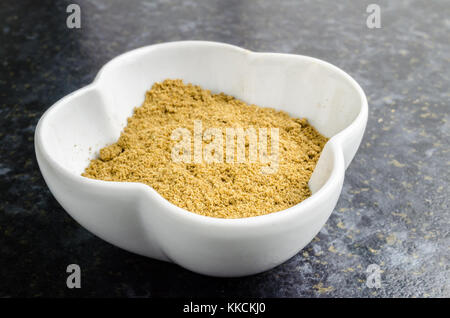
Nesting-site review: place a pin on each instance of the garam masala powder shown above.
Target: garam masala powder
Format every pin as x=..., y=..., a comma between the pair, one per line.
x=224, y=189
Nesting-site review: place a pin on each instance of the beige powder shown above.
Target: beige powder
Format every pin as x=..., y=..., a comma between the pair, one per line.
x=224, y=190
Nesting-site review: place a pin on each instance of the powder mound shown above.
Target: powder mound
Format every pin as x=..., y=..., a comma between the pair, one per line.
x=225, y=189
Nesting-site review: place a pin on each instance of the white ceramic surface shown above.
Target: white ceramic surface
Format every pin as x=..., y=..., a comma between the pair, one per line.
x=135, y=217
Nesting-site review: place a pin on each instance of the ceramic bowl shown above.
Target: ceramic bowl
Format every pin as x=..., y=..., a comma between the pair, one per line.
x=135, y=217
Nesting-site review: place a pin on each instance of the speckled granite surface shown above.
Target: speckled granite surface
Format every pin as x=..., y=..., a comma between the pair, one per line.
x=394, y=208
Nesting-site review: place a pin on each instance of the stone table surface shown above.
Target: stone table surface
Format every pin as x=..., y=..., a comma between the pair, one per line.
x=393, y=211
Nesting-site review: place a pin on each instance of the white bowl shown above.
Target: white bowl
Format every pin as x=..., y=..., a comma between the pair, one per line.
x=135, y=217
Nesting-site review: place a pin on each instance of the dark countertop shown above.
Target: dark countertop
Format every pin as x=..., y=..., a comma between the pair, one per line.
x=394, y=206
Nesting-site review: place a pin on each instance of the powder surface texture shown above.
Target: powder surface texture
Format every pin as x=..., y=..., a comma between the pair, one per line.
x=223, y=190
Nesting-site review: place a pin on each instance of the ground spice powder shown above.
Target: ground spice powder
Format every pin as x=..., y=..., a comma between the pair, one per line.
x=223, y=190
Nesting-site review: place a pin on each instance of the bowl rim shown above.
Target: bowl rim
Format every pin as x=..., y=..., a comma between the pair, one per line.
x=300, y=209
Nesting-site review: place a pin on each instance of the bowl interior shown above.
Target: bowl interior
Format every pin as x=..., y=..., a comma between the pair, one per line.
x=83, y=122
